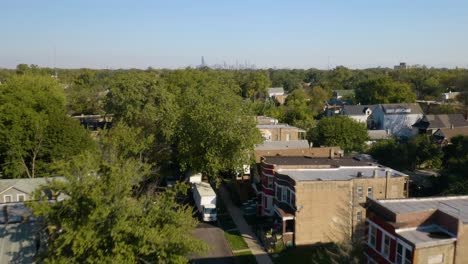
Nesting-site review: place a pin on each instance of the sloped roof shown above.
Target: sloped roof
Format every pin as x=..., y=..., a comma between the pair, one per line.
x=353, y=110
x=25, y=185
x=441, y=121
x=275, y=90
x=403, y=108
x=449, y=133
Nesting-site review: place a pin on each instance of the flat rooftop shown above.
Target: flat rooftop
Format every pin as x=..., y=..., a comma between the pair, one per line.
x=427, y=236
x=279, y=125
x=316, y=161
x=456, y=206
x=339, y=174
x=274, y=145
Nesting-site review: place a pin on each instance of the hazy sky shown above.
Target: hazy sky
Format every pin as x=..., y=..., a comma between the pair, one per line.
x=287, y=33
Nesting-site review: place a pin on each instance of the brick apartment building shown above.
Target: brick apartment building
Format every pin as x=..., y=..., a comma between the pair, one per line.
x=320, y=200
x=271, y=130
x=425, y=230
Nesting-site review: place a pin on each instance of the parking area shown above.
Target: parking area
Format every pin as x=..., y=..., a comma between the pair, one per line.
x=219, y=250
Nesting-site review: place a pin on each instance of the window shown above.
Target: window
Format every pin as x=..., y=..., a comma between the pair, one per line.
x=21, y=197
x=385, y=245
x=370, y=192
x=372, y=235
x=264, y=202
x=270, y=182
x=284, y=198
x=359, y=216
x=399, y=254
x=407, y=256
x=288, y=137
x=7, y=198
x=278, y=192
x=288, y=195
x=293, y=199
x=403, y=254
x=359, y=192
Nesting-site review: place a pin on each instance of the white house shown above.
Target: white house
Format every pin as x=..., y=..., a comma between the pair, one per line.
x=275, y=91
x=397, y=119
x=359, y=113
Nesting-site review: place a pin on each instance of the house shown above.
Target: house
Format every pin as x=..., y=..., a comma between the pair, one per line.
x=450, y=96
x=277, y=94
x=22, y=234
x=424, y=230
x=429, y=124
x=445, y=135
x=398, y=119
x=266, y=120
x=21, y=190
x=281, y=132
x=320, y=200
x=275, y=91
x=360, y=113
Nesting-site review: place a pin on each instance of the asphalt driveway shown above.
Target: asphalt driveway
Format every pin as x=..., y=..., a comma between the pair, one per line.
x=219, y=250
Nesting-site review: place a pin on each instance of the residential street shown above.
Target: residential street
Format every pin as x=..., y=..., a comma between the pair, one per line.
x=219, y=251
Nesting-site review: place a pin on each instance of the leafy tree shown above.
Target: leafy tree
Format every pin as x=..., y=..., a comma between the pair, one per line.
x=215, y=132
x=254, y=85
x=298, y=112
x=340, y=131
x=392, y=154
x=34, y=130
x=424, y=152
x=107, y=218
x=383, y=90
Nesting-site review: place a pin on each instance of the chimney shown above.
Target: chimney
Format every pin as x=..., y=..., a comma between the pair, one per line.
x=331, y=154
x=375, y=174
x=452, y=126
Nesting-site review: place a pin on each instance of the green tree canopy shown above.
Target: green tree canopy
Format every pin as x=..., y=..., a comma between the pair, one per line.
x=340, y=131
x=34, y=130
x=107, y=218
x=383, y=90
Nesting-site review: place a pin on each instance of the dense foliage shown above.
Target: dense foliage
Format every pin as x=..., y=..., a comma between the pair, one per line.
x=34, y=129
x=340, y=131
x=108, y=216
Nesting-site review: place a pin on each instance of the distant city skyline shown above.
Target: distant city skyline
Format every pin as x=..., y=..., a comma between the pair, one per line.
x=267, y=34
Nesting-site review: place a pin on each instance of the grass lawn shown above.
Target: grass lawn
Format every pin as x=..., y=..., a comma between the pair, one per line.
x=304, y=254
x=236, y=241
x=245, y=257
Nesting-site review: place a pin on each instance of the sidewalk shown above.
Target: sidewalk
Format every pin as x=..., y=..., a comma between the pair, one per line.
x=260, y=254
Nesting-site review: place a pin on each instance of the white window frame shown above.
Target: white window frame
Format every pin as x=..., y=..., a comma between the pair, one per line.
x=270, y=182
x=372, y=233
x=278, y=192
x=360, y=192
x=404, y=248
x=359, y=216
x=21, y=195
x=370, y=191
x=7, y=195
x=382, y=249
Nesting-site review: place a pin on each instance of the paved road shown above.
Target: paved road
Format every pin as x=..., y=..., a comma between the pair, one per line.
x=219, y=251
